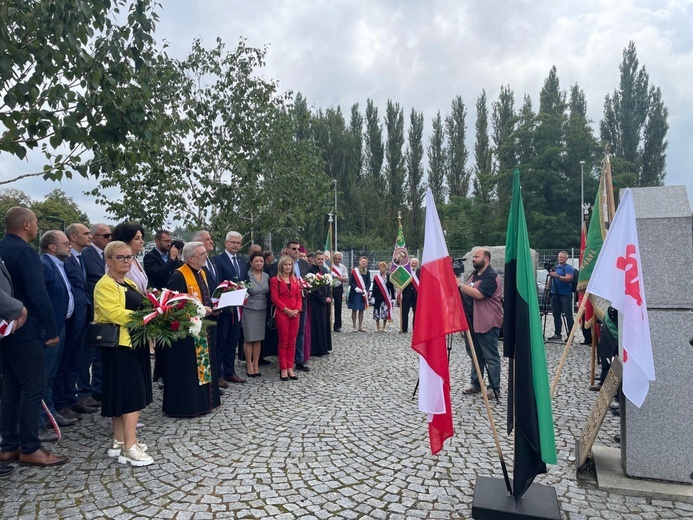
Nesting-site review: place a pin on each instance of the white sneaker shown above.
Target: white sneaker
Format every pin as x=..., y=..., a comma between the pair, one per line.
x=116, y=446
x=135, y=456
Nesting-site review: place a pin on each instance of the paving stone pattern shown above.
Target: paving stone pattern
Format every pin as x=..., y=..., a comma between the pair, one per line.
x=345, y=441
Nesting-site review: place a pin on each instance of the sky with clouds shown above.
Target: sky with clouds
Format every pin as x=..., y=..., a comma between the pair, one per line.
x=423, y=54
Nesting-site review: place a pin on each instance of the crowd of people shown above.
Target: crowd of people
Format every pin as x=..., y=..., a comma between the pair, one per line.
x=88, y=277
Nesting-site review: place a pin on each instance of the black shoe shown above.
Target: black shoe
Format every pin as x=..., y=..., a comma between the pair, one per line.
x=596, y=388
x=293, y=378
x=338, y=330
x=160, y=383
x=263, y=361
x=6, y=470
x=284, y=378
x=221, y=391
x=555, y=337
x=302, y=367
x=617, y=438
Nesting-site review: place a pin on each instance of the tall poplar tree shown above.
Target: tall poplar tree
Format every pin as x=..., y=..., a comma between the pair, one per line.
x=394, y=168
x=415, y=188
x=635, y=126
x=436, y=160
x=503, y=120
x=375, y=181
x=455, y=129
x=484, y=182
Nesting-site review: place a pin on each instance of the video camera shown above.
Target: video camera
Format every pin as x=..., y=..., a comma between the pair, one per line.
x=550, y=266
x=458, y=265
x=178, y=244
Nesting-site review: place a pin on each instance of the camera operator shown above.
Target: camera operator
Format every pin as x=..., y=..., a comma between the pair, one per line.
x=562, y=295
x=481, y=296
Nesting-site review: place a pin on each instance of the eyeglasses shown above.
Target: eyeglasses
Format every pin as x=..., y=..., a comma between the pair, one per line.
x=105, y=235
x=294, y=248
x=124, y=258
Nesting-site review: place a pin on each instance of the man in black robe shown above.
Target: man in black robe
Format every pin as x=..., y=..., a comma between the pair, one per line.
x=320, y=303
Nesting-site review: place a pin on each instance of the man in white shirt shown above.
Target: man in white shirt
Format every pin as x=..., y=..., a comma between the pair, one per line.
x=341, y=276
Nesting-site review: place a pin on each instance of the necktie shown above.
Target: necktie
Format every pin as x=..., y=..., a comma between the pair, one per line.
x=81, y=264
x=234, y=260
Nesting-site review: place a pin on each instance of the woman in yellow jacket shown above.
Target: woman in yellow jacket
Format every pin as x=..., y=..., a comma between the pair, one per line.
x=127, y=380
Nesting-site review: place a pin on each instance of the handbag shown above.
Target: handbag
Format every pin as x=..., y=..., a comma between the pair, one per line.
x=271, y=324
x=104, y=335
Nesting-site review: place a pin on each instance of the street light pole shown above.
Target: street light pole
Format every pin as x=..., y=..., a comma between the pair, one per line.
x=335, y=213
x=582, y=195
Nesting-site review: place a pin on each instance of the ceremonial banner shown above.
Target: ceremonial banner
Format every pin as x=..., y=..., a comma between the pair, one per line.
x=617, y=277
x=529, y=398
x=400, y=272
x=328, y=247
x=439, y=312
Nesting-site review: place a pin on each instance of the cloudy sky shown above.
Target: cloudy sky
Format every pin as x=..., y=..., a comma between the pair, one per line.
x=423, y=54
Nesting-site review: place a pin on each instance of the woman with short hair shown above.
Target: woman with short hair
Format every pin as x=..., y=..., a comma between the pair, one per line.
x=359, y=282
x=126, y=371
x=255, y=313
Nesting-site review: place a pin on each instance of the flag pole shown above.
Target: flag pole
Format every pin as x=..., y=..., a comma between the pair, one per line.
x=472, y=349
x=569, y=341
x=593, y=355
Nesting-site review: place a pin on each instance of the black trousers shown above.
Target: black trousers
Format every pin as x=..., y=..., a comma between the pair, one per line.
x=23, y=385
x=337, y=296
x=407, y=303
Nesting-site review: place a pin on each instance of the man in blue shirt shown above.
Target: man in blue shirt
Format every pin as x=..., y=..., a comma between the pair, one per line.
x=562, y=295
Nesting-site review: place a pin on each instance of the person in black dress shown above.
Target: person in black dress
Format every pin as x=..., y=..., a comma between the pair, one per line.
x=127, y=379
x=190, y=363
x=319, y=301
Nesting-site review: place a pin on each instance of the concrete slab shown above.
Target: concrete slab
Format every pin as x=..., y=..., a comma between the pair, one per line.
x=612, y=478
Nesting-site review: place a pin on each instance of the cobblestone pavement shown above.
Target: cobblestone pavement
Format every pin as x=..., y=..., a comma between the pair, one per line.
x=345, y=441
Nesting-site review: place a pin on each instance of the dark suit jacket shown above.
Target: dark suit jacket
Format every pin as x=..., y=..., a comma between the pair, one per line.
x=25, y=268
x=95, y=266
x=409, y=293
x=227, y=271
x=74, y=272
x=10, y=307
x=159, y=271
x=212, y=276
x=57, y=292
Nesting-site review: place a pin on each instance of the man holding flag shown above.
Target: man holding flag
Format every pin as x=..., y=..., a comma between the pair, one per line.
x=440, y=313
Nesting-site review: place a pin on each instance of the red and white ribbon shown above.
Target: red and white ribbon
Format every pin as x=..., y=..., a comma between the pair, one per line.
x=382, y=285
x=164, y=301
x=361, y=284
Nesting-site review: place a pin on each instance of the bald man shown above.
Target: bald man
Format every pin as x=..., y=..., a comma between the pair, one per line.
x=21, y=356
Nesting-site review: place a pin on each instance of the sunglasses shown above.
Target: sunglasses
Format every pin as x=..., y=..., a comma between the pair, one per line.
x=294, y=248
x=105, y=235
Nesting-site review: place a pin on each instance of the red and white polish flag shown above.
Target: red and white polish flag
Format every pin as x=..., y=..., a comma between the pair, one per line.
x=617, y=277
x=438, y=313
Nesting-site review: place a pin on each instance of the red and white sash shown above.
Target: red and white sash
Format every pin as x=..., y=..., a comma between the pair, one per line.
x=382, y=284
x=335, y=271
x=415, y=280
x=361, y=284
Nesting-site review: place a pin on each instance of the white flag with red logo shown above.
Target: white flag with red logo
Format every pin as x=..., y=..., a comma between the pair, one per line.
x=438, y=313
x=617, y=277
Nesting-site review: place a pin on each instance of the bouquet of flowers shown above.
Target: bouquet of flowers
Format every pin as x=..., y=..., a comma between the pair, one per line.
x=228, y=286
x=167, y=316
x=315, y=281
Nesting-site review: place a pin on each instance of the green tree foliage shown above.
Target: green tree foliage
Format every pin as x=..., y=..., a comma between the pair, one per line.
x=9, y=198
x=232, y=160
x=437, y=160
x=394, y=163
x=57, y=211
x=484, y=179
x=74, y=84
x=415, y=187
x=457, y=154
x=503, y=121
x=635, y=125
x=375, y=194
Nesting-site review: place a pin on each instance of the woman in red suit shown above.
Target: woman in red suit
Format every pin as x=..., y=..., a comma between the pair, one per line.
x=286, y=296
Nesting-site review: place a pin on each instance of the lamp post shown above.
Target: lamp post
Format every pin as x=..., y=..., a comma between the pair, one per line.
x=582, y=195
x=335, y=214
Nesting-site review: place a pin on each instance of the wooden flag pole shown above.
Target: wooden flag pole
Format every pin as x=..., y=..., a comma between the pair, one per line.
x=593, y=355
x=472, y=349
x=581, y=311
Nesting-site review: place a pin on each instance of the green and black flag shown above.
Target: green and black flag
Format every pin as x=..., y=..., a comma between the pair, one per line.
x=529, y=398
